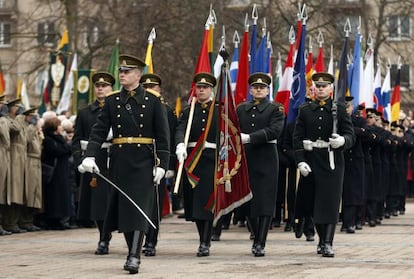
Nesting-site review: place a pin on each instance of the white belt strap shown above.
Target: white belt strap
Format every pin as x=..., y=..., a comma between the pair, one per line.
x=206, y=145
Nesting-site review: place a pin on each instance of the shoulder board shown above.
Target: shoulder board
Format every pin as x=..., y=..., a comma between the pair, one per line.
x=113, y=93
x=305, y=104
x=153, y=92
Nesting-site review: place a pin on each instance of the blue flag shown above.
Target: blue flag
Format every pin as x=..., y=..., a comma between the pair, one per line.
x=298, y=91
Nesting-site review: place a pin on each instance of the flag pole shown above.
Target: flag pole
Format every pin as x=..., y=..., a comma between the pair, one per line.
x=186, y=137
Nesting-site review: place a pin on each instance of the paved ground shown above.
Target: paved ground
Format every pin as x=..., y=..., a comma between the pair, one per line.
x=386, y=251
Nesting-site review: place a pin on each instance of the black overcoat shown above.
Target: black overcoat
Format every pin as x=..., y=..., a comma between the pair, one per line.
x=264, y=123
x=315, y=121
x=141, y=115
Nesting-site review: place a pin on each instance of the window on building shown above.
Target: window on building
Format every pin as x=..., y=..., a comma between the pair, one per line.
x=5, y=36
x=398, y=27
x=46, y=34
x=404, y=76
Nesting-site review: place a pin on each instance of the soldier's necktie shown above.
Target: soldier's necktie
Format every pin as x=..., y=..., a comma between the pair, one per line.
x=205, y=105
x=101, y=104
x=131, y=93
x=322, y=103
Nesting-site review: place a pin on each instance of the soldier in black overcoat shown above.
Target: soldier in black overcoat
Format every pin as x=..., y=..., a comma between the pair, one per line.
x=154, y=82
x=196, y=198
x=138, y=119
x=94, y=191
x=353, y=196
x=261, y=124
x=319, y=153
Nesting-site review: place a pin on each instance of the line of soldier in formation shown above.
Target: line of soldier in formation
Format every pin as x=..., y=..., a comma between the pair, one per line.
x=345, y=163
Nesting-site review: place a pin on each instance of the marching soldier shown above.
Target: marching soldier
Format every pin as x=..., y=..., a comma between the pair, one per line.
x=319, y=152
x=138, y=119
x=353, y=196
x=261, y=124
x=153, y=82
x=94, y=192
x=195, y=199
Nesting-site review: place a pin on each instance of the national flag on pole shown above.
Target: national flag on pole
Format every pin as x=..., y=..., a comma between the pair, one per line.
x=320, y=63
x=278, y=77
x=367, y=91
x=283, y=94
x=309, y=67
x=2, y=81
x=210, y=42
x=57, y=72
x=242, y=86
x=261, y=61
x=355, y=72
x=396, y=98
x=232, y=187
x=177, y=107
x=203, y=61
x=67, y=94
x=42, y=81
x=342, y=77
x=149, y=68
x=378, y=104
x=22, y=92
x=386, y=94
x=298, y=91
x=83, y=89
x=253, y=40
x=217, y=64
x=331, y=63
x=234, y=66
x=113, y=66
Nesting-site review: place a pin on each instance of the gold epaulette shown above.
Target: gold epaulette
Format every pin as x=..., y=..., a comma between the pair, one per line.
x=113, y=93
x=153, y=92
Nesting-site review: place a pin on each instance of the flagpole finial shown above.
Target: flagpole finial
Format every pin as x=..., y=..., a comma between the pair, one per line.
x=117, y=41
x=399, y=62
x=299, y=14
x=388, y=63
x=292, y=38
x=347, y=27
x=246, y=23
x=255, y=14
x=320, y=38
x=304, y=14
x=152, y=35
x=212, y=15
x=264, y=27
x=223, y=36
x=236, y=39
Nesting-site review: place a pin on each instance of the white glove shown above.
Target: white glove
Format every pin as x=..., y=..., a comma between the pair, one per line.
x=181, y=152
x=304, y=168
x=336, y=141
x=158, y=174
x=81, y=169
x=169, y=174
x=89, y=165
x=307, y=145
x=245, y=138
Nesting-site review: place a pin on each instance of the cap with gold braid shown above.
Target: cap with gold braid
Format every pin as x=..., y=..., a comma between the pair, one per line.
x=260, y=78
x=323, y=78
x=30, y=111
x=103, y=78
x=150, y=79
x=13, y=102
x=205, y=78
x=127, y=62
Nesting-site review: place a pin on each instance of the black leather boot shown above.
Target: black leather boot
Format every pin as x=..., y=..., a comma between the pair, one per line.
x=151, y=242
x=329, y=235
x=253, y=225
x=217, y=230
x=264, y=223
x=134, y=257
x=103, y=245
x=320, y=229
x=298, y=227
x=204, y=248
